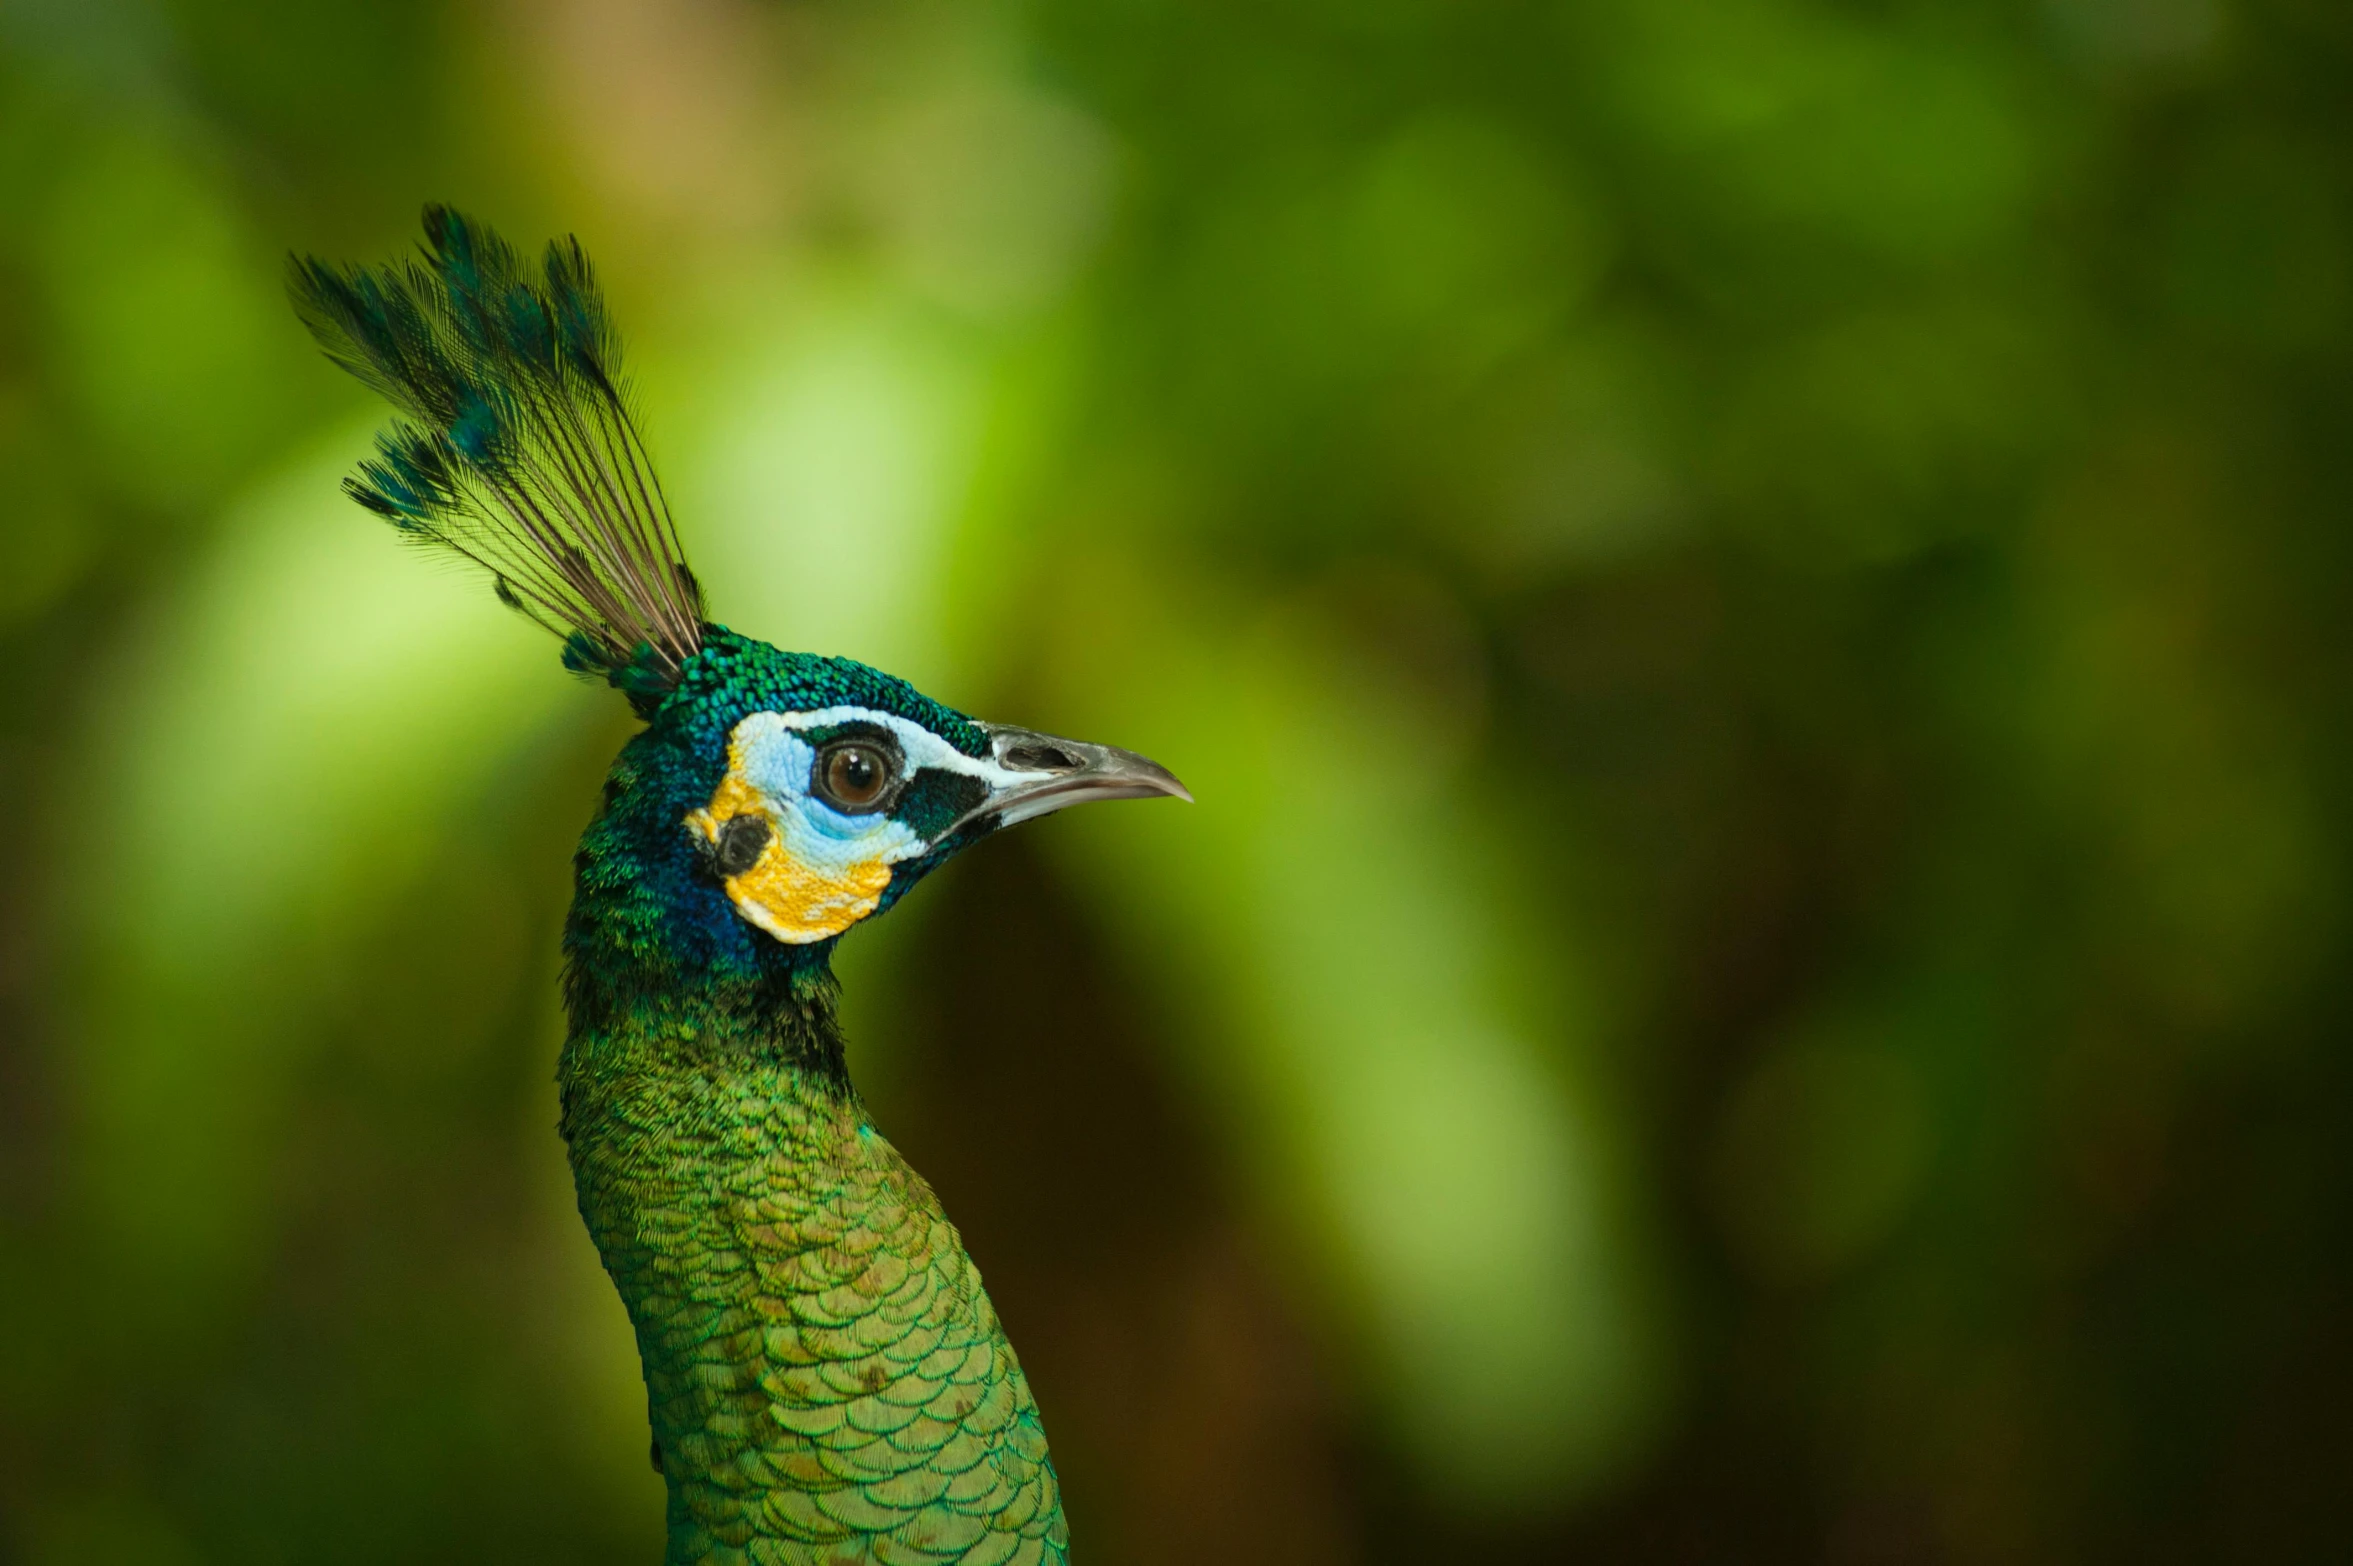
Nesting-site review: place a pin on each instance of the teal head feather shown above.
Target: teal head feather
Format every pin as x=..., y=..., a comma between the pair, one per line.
x=826, y=1379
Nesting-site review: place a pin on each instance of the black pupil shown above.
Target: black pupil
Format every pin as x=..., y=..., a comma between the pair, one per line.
x=855, y=774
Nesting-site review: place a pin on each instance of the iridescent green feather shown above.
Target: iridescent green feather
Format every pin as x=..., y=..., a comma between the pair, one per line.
x=826, y=1379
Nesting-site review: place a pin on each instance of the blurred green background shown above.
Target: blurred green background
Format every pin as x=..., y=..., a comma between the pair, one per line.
x=1754, y=592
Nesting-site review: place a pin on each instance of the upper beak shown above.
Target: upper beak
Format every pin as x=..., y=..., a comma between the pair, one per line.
x=1047, y=774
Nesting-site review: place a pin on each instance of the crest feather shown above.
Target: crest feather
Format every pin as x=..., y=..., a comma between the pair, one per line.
x=515, y=447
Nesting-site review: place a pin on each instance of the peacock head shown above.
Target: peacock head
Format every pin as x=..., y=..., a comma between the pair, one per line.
x=817, y=790
x=775, y=798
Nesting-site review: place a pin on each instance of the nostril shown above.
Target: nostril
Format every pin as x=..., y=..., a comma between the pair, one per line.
x=1033, y=756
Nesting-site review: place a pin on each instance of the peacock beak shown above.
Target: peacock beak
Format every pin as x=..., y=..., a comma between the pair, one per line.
x=1042, y=774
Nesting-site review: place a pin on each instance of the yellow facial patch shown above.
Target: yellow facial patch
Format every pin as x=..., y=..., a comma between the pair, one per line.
x=809, y=883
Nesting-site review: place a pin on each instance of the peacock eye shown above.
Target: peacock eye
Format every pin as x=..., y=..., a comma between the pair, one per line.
x=853, y=775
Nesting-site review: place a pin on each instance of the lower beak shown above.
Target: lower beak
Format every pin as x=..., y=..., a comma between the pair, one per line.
x=1047, y=774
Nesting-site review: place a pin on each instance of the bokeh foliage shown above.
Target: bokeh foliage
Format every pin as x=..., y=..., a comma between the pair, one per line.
x=1753, y=591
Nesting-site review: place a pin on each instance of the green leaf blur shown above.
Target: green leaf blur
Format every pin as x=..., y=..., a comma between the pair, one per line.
x=1752, y=591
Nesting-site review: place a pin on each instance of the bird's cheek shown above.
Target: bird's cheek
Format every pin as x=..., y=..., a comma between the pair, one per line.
x=798, y=901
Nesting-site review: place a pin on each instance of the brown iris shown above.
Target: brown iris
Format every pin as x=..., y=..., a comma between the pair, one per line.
x=853, y=775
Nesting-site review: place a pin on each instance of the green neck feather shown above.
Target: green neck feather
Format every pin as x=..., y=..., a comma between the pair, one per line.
x=826, y=1379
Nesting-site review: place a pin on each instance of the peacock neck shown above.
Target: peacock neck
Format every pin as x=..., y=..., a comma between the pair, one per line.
x=674, y=1102
x=785, y=1035
x=681, y=1115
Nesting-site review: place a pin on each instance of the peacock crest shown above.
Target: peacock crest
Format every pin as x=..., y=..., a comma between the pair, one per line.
x=516, y=446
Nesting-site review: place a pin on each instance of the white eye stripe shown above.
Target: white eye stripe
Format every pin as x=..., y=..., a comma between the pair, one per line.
x=923, y=748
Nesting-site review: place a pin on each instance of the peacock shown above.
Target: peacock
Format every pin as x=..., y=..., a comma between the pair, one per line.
x=825, y=1378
